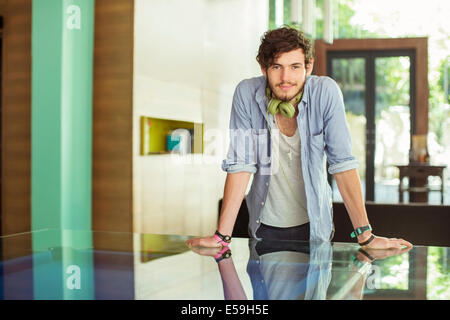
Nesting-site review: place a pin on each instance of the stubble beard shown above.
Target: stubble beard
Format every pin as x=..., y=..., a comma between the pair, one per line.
x=285, y=97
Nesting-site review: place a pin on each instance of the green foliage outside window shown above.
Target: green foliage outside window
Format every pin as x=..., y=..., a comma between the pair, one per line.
x=343, y=14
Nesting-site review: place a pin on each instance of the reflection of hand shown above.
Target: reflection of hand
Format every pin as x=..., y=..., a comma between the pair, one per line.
x=205, y=251
x=370, y=255
x=384, y=243
x=209, y=242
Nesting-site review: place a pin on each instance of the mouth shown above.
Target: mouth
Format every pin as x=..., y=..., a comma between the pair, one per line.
x=285, y=87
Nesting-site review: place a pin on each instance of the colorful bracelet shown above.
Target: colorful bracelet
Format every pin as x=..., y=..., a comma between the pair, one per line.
x=365, y=243
x=219, y=240
x=222, y=239
x=372, y=259
x=225, y=253
x=360, y=263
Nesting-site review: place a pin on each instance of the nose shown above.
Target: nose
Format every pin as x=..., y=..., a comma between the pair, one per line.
x=284, y=76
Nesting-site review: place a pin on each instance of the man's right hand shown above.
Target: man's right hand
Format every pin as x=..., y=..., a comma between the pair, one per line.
x=209, y=242
x=235, y=187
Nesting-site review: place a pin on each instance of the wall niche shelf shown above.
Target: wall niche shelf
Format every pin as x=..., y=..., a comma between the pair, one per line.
x=155, y=132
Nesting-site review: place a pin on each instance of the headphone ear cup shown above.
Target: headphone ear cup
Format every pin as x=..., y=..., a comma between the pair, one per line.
x=273, y=106
x=276, y=105
x=287, y=109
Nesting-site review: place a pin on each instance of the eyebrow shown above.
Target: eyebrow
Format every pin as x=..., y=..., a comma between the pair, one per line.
x=292, y=64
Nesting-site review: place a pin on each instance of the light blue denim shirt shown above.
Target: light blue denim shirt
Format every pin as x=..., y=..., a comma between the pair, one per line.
x=324, y=135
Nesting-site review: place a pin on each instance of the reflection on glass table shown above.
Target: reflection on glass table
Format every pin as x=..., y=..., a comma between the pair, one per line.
x=77, y=264
x=291, y=270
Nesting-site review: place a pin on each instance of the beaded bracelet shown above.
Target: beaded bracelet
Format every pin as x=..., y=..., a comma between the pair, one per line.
x=225, y=253
x=222, y=239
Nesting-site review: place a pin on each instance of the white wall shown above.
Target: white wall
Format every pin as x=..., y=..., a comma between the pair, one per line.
x=188, y=58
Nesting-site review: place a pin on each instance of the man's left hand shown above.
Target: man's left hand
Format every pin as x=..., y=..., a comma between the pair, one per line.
x=385, y=243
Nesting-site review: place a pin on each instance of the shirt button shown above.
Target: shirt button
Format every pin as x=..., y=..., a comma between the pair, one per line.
x=257, y=221
x=262, y=203
x=267, y=183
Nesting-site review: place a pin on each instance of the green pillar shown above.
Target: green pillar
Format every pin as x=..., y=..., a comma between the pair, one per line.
x=61, y=128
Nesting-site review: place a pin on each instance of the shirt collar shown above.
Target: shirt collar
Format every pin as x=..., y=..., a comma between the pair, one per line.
x=261, y=91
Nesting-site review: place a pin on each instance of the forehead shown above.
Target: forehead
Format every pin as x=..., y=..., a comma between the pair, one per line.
x=290, y=57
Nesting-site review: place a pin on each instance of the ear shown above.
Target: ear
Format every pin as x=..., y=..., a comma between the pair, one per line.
x=309, y=67
x=264, y=71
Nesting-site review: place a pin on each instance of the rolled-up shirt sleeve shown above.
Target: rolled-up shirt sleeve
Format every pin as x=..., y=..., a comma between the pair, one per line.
x=338, y=143
x=241, y=150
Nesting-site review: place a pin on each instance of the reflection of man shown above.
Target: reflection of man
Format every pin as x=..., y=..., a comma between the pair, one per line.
x=290, y=198
x=292, y=270
x=281, y=270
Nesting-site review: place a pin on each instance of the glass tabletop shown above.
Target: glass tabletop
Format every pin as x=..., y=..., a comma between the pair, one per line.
x=89, y=265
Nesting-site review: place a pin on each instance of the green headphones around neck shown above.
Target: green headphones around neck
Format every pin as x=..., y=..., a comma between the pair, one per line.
x=276, y=105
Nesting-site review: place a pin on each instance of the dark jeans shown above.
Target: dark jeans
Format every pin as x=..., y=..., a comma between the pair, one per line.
x=300, y=233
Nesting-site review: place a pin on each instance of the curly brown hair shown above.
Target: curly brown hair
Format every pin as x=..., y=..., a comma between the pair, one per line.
x=284, y=39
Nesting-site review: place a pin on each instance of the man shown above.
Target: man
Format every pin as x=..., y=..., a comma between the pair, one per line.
x=306, y=123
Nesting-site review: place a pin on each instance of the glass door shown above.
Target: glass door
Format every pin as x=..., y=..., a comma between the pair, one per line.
x=349, y=73
x=392, y=124
x=376, y=90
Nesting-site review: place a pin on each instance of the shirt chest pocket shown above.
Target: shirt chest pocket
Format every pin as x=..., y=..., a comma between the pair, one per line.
x=316, y=151
x=317, y=141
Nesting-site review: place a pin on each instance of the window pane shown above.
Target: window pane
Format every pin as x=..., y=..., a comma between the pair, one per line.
x=349, y=73
x=392, y=121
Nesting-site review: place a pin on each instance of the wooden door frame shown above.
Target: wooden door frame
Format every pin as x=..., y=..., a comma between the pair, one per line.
x=16, y=119
x=420, y=47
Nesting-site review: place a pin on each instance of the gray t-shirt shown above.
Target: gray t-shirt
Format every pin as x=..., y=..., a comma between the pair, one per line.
x=282, y=209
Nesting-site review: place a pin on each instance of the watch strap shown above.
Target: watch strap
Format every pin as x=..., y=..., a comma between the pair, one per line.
x=224, y=238
x=360, y=230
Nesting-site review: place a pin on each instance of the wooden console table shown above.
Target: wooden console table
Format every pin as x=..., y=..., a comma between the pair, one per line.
x=419, y=173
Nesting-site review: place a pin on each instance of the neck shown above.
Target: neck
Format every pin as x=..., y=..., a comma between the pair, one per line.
x=294, y=104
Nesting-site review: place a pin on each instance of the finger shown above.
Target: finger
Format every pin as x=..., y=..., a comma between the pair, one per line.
x=406, y=249
x=400, y=243
x=201, y=243
x=392, y=243
x=405, y=243
x=191, y=242
x=393, y=252
x=207, y=251
x=206, y=242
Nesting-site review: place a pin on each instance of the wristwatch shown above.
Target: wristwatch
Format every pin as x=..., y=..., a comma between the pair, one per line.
x=222, y=239
x=360, y=230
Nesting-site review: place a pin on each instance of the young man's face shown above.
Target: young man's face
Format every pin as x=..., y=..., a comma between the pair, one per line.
x=287, y=75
